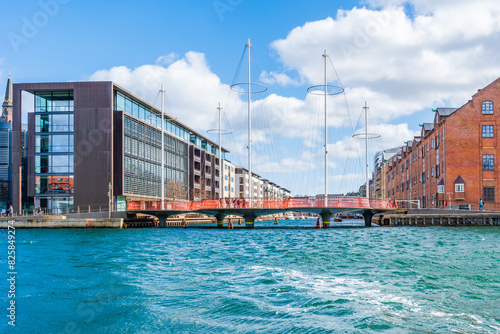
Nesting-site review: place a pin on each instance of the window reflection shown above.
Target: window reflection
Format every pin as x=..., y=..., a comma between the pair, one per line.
x=51, y=143
x=54, y=184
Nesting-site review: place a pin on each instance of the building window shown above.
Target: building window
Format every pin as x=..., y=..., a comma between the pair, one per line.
x=489, y=194
x=487, y=107
x=487, y=131
x=459, y=187
x=440, y=189
x=488, y=162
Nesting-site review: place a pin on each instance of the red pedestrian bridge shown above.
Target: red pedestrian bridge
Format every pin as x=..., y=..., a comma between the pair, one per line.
x=250, y=209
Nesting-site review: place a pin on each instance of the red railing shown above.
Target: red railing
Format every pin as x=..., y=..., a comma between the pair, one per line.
x=289, y=203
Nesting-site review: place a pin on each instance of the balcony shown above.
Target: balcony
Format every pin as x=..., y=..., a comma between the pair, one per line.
x=197, y=168
x=197, y=155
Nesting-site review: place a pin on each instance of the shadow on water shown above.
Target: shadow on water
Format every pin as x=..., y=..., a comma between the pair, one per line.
x=281, y=227
x=309, y=224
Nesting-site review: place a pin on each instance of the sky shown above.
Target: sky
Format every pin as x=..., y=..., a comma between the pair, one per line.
x=403, y=58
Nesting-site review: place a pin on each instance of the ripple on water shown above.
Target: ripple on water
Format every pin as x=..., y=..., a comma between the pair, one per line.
x=349, y=280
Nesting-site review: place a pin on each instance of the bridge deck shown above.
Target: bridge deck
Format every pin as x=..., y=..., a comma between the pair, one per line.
x=303, y=204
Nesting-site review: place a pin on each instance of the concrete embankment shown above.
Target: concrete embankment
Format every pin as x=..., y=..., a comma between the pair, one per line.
x=94, y=220
x=437, y=217
x=60, y=222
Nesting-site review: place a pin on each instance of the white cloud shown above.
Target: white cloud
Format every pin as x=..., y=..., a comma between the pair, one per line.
x=303, y=162
x=391, y=135
x=192, y=90
x=273, y=78
x=402, y=64
x=167, y=59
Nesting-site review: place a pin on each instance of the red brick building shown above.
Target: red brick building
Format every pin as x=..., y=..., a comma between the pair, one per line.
x=454, y=160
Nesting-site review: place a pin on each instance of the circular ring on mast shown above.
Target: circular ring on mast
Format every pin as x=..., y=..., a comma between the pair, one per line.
x=366, y=135
x=337, y=90
x=222, y=131
x=236, y=87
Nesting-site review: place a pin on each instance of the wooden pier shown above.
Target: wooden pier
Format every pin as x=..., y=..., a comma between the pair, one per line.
x=436, y=217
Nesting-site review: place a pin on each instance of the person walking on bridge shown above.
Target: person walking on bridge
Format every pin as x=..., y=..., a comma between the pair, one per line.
x=481, y=205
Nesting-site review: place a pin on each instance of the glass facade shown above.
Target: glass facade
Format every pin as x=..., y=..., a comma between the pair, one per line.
x=5, y=139
x=142, y=162
x=153, y=117
x=54, y=151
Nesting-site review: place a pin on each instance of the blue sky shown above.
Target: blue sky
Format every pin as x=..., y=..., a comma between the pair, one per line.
x=402, y=57
x=87, y=36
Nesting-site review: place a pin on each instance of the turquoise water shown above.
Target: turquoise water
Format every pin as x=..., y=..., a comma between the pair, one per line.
x=265, y=280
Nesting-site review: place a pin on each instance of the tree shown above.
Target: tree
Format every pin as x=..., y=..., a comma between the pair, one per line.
x=176, y=190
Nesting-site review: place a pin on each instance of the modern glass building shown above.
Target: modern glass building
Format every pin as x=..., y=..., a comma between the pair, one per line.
x=142, y=151
x=92, y=145
x=54, y=148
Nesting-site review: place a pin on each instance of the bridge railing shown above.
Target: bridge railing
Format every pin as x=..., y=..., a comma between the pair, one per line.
x=381, y=204
x=289, y=203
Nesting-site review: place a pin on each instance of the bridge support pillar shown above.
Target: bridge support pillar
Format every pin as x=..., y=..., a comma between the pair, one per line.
x=325, y=217
x=162, y=221
x=368, y=215
x=220, y=219
x=249, y=220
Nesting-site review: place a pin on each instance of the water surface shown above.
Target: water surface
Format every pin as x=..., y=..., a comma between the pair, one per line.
x=265, y=280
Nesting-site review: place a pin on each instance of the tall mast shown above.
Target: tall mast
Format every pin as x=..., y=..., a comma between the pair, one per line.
x=335, y=89
x=366, y=136
x=248, y=45
x=246, y=87
x=220, y=153
x=220, y=131
x=325, y=55
x=162, y=150
x=366, y=150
